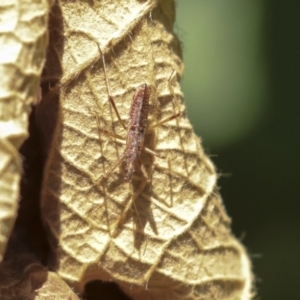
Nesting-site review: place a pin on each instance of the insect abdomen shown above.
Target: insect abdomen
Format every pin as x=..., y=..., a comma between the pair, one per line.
x=136, y=129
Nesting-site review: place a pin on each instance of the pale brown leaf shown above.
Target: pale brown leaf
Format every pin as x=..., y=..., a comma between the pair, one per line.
x=23, y=40
x=23, y=277
x=168, y=238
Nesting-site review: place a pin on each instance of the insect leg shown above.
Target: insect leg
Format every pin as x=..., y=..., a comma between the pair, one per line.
x=111, y=100
x=109, y=133
x=111, y=169
x=143, y=169
x=128, y=206
x=153, y=153
x=175, y=116
x=165, y=120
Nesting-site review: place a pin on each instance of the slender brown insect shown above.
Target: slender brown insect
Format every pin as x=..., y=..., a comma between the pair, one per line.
x=136, y=130
x=138, y=118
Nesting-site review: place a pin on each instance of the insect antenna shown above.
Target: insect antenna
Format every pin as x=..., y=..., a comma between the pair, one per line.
x=110, y=98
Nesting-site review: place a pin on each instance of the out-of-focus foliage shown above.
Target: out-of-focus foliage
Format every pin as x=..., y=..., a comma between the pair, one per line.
x=241, y=84
x=224, y=84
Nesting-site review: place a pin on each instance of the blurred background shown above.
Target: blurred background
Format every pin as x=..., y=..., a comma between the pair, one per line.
x=241, y=86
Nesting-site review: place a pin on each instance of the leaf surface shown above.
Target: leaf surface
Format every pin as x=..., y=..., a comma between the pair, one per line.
x=23, y=40
x=167, y=238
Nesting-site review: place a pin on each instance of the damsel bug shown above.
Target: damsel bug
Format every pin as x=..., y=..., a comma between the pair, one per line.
x=137, y=127
x=136, y=130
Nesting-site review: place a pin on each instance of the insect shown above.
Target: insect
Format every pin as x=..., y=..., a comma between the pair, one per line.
x=136, y=130
x=137, y=127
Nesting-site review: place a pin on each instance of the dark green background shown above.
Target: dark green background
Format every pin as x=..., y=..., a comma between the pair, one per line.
x=241, y=86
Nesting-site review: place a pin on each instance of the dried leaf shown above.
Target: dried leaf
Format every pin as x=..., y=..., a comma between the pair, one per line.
x=23, y=277
x=54, y=288
x=23, y=39
x=168, y=238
